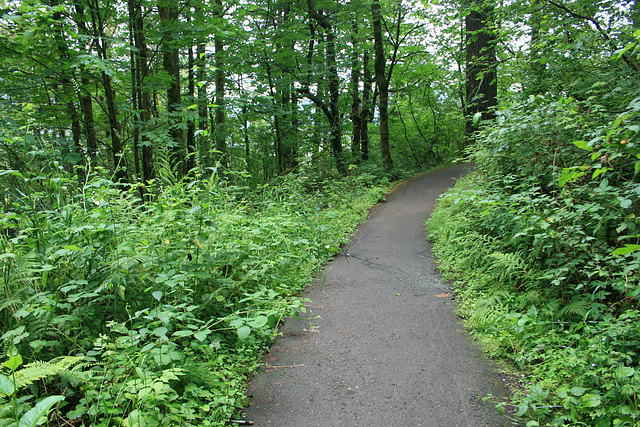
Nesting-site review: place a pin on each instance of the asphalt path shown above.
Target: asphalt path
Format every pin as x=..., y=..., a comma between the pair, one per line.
x=383, y=346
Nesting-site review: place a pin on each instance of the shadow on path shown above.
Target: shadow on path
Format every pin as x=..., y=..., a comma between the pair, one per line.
x=386, y=348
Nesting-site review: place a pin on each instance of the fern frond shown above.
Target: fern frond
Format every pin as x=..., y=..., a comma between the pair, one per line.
x=509, y=267
x=483, y=318
x=575, y=308
x=488, y=311
x=38, y=370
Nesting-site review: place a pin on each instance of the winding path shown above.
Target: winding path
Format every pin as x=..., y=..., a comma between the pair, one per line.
x=386, y=348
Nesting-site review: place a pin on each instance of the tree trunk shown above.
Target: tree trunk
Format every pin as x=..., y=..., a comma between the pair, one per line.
x=170, y=61
x=119, y=161
x=67, y=86
x=86, y=106
x=191, y=121
x=534, y=83
x=356, y=107
x=383, y=86
x=333, y=111
x=203, y=137
x=144, y=95
x=134, y=99
x=220, y=134
x=481, y=78
x=367, y=95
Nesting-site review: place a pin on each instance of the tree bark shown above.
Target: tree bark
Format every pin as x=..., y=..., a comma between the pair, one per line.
x=191, y=120
x=220, y=134
x=143, y=94
x=333, y=110
x=356, y=107
x=481, y=77
x=383, y=86
x=170, y=61
x=367, y=96
x=117, y=151
x=67, y=86
x=203, y=137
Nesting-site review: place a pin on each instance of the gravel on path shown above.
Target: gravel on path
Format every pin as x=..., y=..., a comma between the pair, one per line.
x=381, y=345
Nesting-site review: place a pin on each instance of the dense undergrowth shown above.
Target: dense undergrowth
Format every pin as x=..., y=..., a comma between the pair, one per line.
x=542, y=242
x=118, y=312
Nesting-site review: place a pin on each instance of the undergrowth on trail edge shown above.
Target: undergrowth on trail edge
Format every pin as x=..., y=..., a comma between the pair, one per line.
x=541, y=242
x=115, y=311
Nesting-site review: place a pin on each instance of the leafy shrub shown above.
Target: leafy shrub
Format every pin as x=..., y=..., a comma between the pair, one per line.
x=543, y=243
x=169, y=303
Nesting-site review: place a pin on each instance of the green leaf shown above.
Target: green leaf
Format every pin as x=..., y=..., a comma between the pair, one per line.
x=157, y=295
x=160, y=332
x=599, y=172
x=625, y=203
x=6, y=385
x=34, y=416
x=476, y=119
x=591, y=400
x=202, y=274
x=260, y=321
x=578, y=391
x=14, y=361
x=201, y=335
x=627, y=249
x=625, y=371
x=244, y=332
x=584, y=145
x=522, y=409
x=569, y=175
x=201, y=239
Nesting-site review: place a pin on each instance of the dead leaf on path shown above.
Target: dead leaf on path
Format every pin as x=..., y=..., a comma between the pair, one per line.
x=443, y=296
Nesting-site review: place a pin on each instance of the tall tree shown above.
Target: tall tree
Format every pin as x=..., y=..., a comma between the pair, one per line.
x=168, y=14
x=332, y=111
x=143, y=93
x=383, y=85
x=480, y=76
x=219, y=61
x=115, y=130
x=366, y=109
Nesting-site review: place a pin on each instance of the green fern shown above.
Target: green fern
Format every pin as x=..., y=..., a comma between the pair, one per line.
x=488, y=311
x=10, y=386
x=509, y=267
x=575, y=308
x=36, y=371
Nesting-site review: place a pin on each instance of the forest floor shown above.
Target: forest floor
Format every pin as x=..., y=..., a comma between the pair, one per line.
x=380, y=344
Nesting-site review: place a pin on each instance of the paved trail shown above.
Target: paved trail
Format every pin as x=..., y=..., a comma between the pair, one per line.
x=387, y=348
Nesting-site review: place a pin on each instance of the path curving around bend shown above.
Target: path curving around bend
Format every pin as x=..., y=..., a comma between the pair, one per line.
x=386, y=348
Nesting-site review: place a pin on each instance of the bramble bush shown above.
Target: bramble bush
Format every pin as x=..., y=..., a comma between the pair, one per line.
x=543, y=242
x=167, y=305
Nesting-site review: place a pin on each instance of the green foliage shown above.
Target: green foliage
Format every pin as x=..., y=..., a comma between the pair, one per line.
x=19, y=411
x=543, y=242
x=168, y=304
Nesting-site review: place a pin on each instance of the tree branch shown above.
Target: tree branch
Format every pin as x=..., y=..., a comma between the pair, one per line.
x=630, y=62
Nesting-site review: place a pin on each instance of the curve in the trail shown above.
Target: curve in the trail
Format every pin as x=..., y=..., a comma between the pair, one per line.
x=383, y=346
